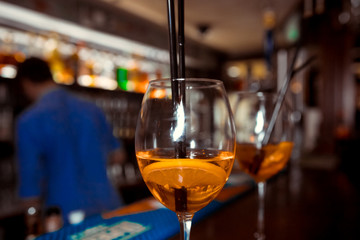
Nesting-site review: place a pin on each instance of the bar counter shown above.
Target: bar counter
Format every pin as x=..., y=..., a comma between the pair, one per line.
x=301, y=203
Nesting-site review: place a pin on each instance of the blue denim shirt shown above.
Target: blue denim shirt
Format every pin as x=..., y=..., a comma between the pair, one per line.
x=63, y=144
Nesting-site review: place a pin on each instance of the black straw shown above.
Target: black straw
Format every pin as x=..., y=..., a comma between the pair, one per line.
x=177, y=80
x=173, y=51
x=302, y=66
x=172, y=38
x=178, y=88
x=181, y=47
x=181, y=39
x=280, y=98
x=281, y=95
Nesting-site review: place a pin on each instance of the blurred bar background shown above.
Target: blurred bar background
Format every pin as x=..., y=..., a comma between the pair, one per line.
x=108, y=50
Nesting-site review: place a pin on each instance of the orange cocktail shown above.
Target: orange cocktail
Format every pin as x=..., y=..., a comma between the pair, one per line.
x=200, y=179
x=263, y=163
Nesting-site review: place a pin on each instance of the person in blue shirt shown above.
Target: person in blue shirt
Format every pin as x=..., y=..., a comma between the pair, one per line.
x=63, y=146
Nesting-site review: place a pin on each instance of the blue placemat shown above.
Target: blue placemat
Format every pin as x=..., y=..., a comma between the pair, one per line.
x=156, y=224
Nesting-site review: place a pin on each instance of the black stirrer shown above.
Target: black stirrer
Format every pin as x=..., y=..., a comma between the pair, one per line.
x=177, y=85
x=280, y=97
x=181, y=39
x=173, y=50
x=259, y=156
x=178, y=90
x=181, y=72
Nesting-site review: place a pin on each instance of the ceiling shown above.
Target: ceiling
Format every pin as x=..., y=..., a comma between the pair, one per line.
x=235, y=26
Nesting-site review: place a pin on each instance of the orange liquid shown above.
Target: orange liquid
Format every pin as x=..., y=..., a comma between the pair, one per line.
x=263, y=163
x=185, y=185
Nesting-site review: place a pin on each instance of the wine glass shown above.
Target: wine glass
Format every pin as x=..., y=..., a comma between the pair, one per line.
x=185, y=144
x=258, y=154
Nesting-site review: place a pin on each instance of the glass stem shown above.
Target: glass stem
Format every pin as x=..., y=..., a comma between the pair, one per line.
x=185, y=225
x=260, y=233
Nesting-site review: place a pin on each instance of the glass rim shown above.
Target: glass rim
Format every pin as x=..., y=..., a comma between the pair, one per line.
x=166, y=82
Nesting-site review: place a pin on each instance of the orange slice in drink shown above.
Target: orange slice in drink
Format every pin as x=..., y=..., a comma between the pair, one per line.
x=184, y=173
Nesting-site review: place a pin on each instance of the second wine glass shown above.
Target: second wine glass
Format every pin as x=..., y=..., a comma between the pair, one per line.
x=185, y=146
x=257, y=157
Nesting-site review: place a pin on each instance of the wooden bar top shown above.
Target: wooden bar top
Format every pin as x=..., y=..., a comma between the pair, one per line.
x=301, y=204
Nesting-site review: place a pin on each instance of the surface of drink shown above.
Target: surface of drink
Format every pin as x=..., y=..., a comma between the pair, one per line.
x=185, y=184
x=263, y=163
